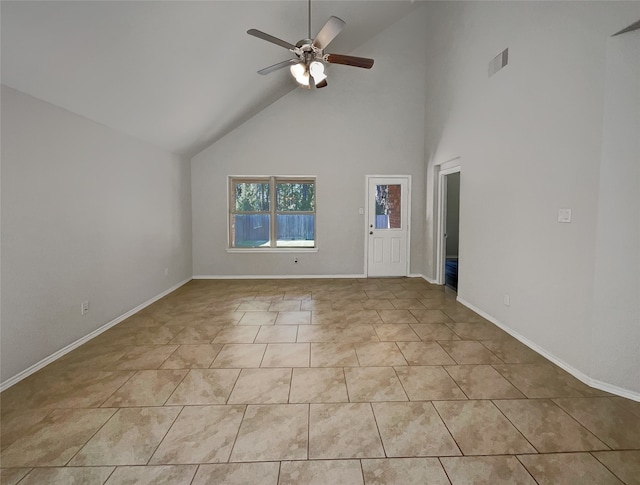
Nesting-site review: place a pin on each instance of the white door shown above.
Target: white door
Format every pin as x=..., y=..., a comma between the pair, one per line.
x=388, y=225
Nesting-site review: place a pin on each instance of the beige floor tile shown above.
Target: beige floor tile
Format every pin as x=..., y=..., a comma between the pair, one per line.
x=63, y=388
x=478, y=331
x=144, y=357
x=204, y=386
x=381, y=304
x=624, y=464
x=330, y=333
x=129, y=438
x=460, y=313
x=238, y=356
x=153, y=475
x=262, y=386
x=224, y=318
x=315, y=305
x=286, y=355
x=405, y=426
x=407, y=304
x=379, y=354
x=614, y=425
x=343, y=431
x=197, y=335
x=547, y=427
x=434, y=331
x=11, y=476
x=469, y=352
x=430, y=316
x=544, y=381
x=258, y=318
x=345, y=317
x=146, y=388
x=347, y=305
x=201, y=434
x=238, y=474
x=403, y=471
x=294, y=318
x=67, y=475
x=408, y=294
x=277, y=334
x=237, y=335
x=318, y=385
x=254, y=306
x=273, y=432
x=631, y=406
x=482, y=382
x=479, y=428
x=55, y=439
x=285, y=306
x=15, y=423
x=570, y=468
x=392, y=332
x=510, y=351
x=192, y=356
x=322, y=472
x=424, y=353
x=366, y=384
x=397, y=316
x=494, y=470
x=333, y=355
x=428, y=383
x=380, y=295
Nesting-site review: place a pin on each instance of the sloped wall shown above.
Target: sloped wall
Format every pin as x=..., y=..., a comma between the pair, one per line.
x=364, y=122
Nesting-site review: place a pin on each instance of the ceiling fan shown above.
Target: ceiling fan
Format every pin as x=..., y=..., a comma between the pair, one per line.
x=308, y=64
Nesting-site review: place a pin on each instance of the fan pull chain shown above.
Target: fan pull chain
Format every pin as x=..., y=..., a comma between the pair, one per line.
x=309, y=19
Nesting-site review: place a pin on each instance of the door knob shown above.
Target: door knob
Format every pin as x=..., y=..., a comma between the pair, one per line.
x=370, y=232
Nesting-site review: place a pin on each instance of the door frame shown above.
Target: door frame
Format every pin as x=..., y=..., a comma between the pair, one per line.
x=447, y=168
x=366, y=219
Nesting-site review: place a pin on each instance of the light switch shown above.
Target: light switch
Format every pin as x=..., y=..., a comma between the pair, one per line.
x=564, y=215
x=361, y=211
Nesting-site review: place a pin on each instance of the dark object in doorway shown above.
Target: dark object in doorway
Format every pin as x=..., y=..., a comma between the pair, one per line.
x=451, y=273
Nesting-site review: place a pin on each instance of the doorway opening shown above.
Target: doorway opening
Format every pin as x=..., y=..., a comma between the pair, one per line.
x=448, y=229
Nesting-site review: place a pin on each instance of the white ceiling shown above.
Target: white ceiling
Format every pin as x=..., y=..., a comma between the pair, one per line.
x=177, y=74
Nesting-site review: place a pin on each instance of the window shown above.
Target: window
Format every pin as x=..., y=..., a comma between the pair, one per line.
x=272, y=212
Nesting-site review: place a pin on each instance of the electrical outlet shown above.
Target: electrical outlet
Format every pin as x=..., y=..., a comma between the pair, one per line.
x=84, y=307
x=507, y=300
x=166, y=271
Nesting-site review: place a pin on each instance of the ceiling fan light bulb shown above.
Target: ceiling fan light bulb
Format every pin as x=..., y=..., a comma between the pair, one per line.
x=300, y=73
x=317, y=71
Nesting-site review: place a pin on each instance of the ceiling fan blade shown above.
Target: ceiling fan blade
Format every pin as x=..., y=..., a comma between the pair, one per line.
x=328, y=32
x=277, y=66
x=349, y=60
x=270, y=38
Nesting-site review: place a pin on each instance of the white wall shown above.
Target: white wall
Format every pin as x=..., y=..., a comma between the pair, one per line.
x=529, y=141
x=87, y=214
x=364, y=122
x=615, y=346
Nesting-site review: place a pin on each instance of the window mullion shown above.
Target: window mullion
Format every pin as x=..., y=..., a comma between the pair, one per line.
x=272, y=209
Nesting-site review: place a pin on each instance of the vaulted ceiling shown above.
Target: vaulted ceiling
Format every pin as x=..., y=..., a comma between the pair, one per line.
x=177, y=74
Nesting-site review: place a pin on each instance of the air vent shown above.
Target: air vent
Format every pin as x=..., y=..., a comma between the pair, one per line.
x=498, y=62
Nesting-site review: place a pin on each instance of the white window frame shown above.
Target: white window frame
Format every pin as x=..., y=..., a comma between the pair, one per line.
x=273, y=180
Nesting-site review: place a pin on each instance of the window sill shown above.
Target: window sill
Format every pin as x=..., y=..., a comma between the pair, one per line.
x=272, y=250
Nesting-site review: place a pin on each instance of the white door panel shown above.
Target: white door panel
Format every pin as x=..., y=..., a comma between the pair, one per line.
x=387, y=226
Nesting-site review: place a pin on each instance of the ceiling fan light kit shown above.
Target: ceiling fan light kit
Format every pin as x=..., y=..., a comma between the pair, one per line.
x=308, y=65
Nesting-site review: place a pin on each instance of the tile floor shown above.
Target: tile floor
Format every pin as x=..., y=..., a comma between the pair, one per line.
x=312, y=381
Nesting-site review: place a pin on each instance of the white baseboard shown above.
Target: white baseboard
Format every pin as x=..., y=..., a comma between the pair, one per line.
x=65, y=350
x=276, y=276
x=603, y=386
